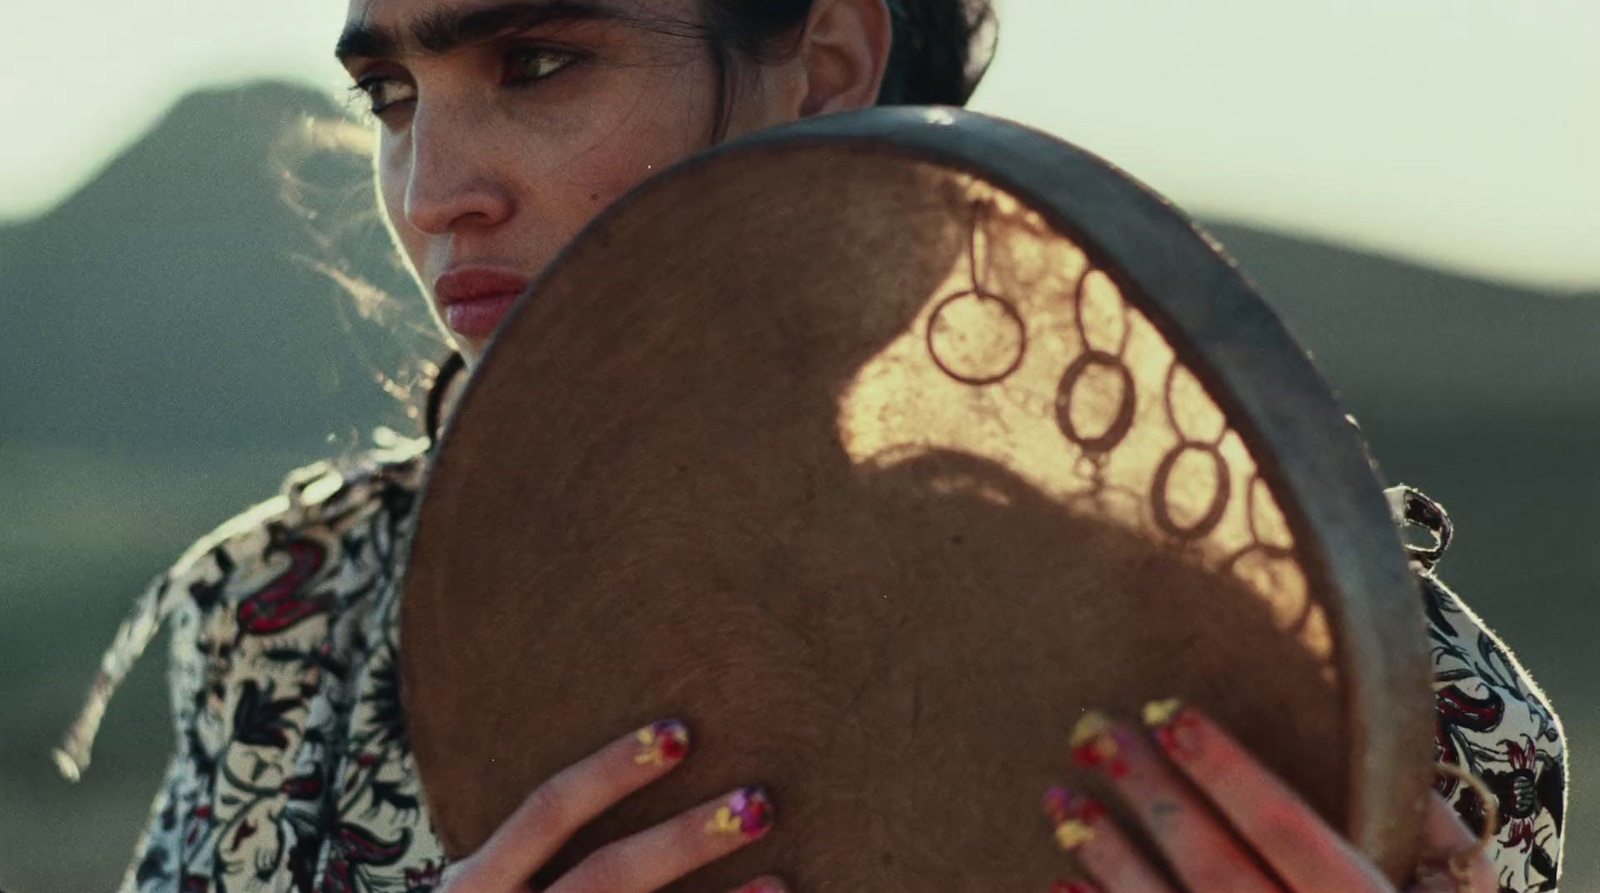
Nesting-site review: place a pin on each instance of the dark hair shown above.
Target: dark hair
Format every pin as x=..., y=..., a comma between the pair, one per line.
x=941, y=47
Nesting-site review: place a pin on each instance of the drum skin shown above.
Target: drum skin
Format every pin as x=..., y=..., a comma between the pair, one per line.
x=879, y=449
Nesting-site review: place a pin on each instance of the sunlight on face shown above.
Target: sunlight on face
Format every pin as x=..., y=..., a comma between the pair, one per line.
x=504, y=128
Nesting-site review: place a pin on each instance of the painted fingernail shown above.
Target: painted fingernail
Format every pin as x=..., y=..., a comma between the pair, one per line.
x=765, y=885
x=748, y=813
x=663, y=743
x=1176, y=728
x=1071, y=887
x=1095, y=746
x=1074, y=817
x=1159, y=713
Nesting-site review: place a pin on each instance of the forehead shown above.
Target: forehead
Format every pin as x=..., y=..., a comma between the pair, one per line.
x=396, y=28
x=402, y=18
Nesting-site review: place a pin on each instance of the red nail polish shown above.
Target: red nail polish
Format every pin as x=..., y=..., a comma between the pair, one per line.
x=747, y=812
x=1104, y=753
x=662, y=743
x=1177, y=730
x=1071, y=887
x=1118, y=768
x=1074, y=817
x=1096, y=744
x=1063, y=805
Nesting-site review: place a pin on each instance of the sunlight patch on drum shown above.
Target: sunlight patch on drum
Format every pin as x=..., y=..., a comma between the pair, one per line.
x=1029, y=356
x=1104, y=315
x=1196, y=416
x=1095, y=400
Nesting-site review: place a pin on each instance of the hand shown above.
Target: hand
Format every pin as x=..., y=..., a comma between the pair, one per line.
x=1271, y=825
x=644, y=862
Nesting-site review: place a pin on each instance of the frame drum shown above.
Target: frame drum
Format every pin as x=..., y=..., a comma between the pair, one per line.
x=878, y=448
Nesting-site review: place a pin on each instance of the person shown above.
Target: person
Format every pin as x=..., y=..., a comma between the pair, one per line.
x=504, y=126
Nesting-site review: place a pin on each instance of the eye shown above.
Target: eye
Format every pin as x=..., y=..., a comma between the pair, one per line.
x=383, y=91
x=525, y=65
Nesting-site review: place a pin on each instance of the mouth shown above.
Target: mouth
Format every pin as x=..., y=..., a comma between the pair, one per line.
x=476, y=299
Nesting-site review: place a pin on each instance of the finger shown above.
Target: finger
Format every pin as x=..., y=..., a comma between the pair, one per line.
x=1203, y=853
x=1273, y=820
x=1082, y=828
x=1444, y=836
x=1073, y=887
x=572, y=798
x=658, y=856
x=1442, y=829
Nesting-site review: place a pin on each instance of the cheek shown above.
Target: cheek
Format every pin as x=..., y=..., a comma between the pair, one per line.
x=390, y=179
x=559, y=165
x=662, y=121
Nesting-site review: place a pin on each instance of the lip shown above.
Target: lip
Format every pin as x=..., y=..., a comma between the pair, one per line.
x=476, y=299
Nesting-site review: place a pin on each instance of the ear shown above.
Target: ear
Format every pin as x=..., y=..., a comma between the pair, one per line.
x=844, y=53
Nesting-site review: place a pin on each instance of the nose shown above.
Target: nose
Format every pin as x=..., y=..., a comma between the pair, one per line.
x=455, y=181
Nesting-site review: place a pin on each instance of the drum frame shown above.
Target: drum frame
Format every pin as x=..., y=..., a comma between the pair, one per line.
x=1320, y=469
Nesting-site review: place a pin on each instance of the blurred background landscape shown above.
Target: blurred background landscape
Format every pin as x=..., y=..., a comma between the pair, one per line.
x=172, y=343
x=169, y=352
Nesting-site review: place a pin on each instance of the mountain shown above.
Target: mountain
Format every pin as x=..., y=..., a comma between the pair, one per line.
x=169, y=305
x=162, y=308
x=1410, y=346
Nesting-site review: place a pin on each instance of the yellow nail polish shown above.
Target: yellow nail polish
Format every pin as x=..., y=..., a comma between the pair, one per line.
x=1094, y=745
x=1177, y=729
x=1094, y=724
x=1073, y=817
x=1160, y=713
x=662, y=743
x=1073, y=834
x=748, y=812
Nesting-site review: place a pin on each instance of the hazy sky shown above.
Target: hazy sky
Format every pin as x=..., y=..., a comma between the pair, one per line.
x=1458, y=132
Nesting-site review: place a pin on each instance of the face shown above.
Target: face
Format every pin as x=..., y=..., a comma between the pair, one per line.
x=505, y=128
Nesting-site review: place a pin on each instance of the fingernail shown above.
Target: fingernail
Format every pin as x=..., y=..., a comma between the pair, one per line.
x=748, y=812
x=1176, y=728
x=662, y=743
x=765, y=885
x=1159, y=713
x=1074, y=816
x=1071, y=887
x=1095, y=746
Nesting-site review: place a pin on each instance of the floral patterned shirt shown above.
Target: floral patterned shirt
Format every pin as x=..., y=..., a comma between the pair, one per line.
x=292, y=771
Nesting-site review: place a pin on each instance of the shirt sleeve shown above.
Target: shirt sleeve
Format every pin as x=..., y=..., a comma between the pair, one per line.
x=233, y=601
x=192, y=599
x=171, y=831
x=187, y=598
x=1492, y=720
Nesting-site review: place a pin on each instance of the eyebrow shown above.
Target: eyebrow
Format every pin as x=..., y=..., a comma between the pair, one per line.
x=444, y=30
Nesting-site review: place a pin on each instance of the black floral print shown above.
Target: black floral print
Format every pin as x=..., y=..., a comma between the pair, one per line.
x=1494, y=723
x=292, y=772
